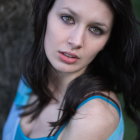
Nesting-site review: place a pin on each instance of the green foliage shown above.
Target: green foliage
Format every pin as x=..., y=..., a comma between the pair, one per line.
x=136, y=4
x=130, y=127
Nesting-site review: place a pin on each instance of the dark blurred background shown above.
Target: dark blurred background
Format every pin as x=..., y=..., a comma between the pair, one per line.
x=16, y=36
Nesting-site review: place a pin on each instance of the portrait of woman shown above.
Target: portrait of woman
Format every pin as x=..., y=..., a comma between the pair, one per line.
x=85, y=54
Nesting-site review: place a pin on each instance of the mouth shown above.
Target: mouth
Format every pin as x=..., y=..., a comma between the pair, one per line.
x=68, y=57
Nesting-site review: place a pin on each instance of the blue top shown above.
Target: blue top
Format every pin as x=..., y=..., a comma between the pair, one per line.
x=13, y=131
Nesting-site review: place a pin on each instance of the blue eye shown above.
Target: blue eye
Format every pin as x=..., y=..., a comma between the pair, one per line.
x=68, y=19
x=96, y=30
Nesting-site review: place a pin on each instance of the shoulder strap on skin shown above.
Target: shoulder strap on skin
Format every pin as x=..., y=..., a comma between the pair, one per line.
x=119, y=132
x=108, y=100
x=103, y=97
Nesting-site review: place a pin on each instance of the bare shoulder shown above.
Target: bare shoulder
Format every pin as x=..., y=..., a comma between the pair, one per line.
x=96, y=119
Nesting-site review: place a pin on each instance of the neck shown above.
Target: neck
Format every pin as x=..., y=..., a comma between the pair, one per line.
x=59, y=83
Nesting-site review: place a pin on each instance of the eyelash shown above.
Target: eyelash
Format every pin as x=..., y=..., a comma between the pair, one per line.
x=97, y=31
x=70, y=20
x=66, y=19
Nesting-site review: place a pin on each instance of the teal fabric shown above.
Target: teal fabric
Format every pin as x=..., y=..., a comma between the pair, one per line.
x=118, y=134
x=103, y=98
x=23, y=93
x=12, y=130
x=20, y=135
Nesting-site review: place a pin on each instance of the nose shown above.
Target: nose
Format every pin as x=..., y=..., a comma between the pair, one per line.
x=76, y=38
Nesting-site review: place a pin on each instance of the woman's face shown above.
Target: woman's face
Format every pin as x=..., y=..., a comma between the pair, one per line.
x=77, y=30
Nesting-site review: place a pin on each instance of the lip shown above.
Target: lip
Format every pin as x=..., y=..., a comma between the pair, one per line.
x=68, y=57
x=69, y=53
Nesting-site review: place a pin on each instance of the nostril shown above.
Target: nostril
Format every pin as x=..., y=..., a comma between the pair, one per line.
x=73, y=44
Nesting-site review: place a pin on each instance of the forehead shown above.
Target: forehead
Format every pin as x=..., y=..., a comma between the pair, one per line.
x=87, y=8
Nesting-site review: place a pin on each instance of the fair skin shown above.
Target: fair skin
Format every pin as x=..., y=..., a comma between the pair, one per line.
x=76, y=32
x=83, y=35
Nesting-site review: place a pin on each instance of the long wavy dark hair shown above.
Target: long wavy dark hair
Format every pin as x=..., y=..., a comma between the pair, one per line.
x=116, y=68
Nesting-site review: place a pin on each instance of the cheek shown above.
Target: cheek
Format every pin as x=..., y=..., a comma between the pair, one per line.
x=52, y=29
x=94, y=47
x=50, y=39
x=55, y=35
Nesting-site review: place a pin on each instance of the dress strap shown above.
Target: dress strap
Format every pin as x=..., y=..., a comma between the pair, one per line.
x=23, y=93
x=103, y=97
x=96, y=96
x=60, y=130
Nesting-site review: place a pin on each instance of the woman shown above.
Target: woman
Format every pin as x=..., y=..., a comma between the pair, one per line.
x=84, y=55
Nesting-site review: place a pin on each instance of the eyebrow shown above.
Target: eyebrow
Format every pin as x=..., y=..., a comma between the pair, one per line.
x=93, y=23
x=100, y=24
x=71, y=11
